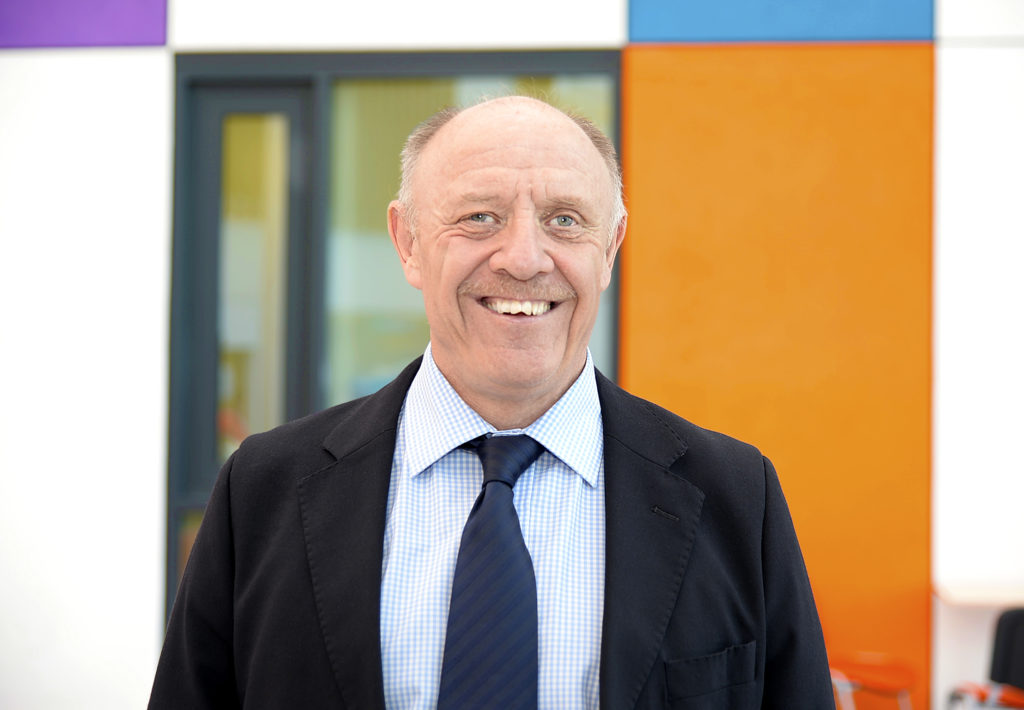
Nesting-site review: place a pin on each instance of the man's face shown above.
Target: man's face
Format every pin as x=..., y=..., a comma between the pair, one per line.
x=511, y=243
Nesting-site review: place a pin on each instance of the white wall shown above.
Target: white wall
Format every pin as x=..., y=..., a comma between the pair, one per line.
x=85, y=140
x=979, y=418
x=979, y=22
x=978, y=471
x=219, y=25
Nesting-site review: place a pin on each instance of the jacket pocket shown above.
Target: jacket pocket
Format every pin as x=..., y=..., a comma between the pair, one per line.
x=688, y=677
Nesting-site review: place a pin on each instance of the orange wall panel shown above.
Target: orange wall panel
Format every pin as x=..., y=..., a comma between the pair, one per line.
x=776, y=285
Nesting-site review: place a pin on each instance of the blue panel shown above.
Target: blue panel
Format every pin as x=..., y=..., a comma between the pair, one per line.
x=779, y=20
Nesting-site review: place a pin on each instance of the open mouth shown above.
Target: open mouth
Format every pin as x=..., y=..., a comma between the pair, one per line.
x=511, y=307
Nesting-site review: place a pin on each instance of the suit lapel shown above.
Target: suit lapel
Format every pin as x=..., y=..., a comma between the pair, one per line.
x=343, y=508
x=651, y=521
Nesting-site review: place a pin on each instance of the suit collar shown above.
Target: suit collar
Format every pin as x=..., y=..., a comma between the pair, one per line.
x=372, y=416
x=638, y=424
x=651, y=521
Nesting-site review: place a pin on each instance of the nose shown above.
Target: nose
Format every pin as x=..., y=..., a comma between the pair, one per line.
x=522, y=249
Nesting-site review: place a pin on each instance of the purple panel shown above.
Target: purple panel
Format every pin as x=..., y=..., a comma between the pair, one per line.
x=82, y=23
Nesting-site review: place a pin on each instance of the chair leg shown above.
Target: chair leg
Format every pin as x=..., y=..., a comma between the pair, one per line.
x=994, y=691
x=844, y=692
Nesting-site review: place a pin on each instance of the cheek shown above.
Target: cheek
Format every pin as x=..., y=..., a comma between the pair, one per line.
x=592, y=278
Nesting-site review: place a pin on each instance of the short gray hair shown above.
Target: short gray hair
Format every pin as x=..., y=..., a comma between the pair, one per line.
x=421, y=135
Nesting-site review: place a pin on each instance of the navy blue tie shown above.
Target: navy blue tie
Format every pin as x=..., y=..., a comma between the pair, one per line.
x=490, y=650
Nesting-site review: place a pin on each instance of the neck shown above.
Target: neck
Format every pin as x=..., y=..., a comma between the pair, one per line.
x=506, y=406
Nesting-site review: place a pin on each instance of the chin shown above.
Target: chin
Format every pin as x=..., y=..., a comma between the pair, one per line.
x=518, y=369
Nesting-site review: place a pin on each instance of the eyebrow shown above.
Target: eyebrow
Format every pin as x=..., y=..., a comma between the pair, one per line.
x=554, y=201
x=566, y=201
x=486, y=197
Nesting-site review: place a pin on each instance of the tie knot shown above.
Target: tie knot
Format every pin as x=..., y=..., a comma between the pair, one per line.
x=506, y=457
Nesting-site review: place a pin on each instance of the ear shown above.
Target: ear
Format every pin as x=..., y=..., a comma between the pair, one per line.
x=612, y=250
x=405, y=243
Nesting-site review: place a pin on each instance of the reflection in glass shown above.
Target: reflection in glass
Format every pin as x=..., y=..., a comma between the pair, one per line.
x=188, y=528
x=253, y=241
x=375, y=320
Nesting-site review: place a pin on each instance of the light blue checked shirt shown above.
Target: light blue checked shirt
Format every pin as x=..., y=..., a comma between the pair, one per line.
x=560, y=502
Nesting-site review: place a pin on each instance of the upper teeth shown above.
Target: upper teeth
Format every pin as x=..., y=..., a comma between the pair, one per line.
x=530, y=308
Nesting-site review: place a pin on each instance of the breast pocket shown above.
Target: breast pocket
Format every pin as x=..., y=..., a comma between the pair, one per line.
x=692, y=677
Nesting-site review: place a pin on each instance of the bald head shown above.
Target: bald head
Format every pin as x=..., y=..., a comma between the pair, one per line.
x=509, y=110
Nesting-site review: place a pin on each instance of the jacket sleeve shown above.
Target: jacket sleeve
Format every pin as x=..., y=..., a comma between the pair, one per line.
x=196, y=667
x=796, y=675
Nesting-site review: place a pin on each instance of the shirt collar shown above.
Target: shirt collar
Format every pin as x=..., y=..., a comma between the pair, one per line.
x=571, y=429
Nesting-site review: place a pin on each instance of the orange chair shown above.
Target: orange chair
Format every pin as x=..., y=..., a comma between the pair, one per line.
x=986, y=696
x=873, y=673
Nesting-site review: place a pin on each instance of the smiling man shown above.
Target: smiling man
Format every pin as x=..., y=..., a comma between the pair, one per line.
x=501, y=526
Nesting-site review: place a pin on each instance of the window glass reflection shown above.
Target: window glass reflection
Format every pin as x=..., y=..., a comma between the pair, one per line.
x=253, y=249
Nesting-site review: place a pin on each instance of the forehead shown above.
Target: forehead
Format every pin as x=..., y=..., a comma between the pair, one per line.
x=495, y=141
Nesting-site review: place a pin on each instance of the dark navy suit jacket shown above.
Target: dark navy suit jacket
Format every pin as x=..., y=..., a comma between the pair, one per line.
x=707, y=601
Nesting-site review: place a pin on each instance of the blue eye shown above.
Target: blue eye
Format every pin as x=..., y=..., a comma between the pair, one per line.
x=479, y=217
x=564, y=220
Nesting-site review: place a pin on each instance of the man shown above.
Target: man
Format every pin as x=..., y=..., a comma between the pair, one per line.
x=664, y=563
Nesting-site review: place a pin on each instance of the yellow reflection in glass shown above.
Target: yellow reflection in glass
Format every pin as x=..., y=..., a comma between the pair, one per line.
x=375, y=320
x=253, y=241
x=187, y=530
